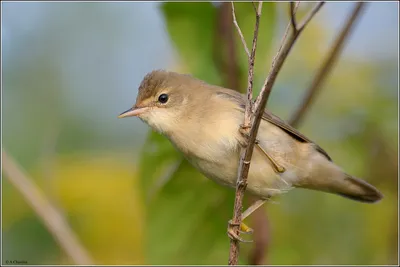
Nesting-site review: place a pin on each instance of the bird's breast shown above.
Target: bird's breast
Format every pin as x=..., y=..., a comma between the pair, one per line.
x=212, y=147
x=210, y=140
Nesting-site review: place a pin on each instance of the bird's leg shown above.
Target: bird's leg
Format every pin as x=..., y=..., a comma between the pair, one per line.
x=277, y=167
x=243, y=142
x=243, y=227
x=253, y=208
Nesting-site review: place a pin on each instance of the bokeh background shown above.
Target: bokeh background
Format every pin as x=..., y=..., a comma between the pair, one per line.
x=68, y=70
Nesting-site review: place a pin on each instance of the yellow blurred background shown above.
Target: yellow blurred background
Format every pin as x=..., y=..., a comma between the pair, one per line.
x=68, y=70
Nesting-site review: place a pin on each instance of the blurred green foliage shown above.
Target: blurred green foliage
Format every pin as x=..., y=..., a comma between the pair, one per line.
x=99, y=197
x=122, y=201
x=187, y=217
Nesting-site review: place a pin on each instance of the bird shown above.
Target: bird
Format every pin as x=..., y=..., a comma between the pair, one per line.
x=203, y=122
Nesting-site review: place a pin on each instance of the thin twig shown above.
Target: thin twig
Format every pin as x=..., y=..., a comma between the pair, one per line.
x=277, y=63
x=52, y=219
x=285, y=35
x=310, y=15
x=248, y=109
x=293, y=8
x=327, y=65
x=254, y=6
x=246, y=49
x=225, y=30
x=242, y=181
x=246, y=153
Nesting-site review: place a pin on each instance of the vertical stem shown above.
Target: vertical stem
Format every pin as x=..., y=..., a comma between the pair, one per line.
x=244, y=164
x=247, y=152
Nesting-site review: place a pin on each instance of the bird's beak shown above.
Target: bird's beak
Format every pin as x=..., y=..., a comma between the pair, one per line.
x=133, y=112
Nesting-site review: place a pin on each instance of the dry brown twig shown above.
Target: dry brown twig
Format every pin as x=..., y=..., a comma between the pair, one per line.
x=52, y=219
x=293, y=9
x=246, y=49
x=277, y=63
x=241, y=183
x=252, y=120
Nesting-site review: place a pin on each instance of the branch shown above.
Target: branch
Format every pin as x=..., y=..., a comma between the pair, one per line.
x=293, y=23
x=248, y=109
x=254, y=7
x=52, y=219
x=246, y=153
x=279, y=59
x=310, y=16
x=244, y=165
x=246, y=49
x=277, y=64
x=327, y=65
x=293, y=9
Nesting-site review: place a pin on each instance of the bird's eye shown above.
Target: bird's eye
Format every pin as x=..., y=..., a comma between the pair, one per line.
x=163, y=98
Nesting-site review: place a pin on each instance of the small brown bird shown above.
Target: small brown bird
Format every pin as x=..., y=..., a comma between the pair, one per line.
x=203, y=121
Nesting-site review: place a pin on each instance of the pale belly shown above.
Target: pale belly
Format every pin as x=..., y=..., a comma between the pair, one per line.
x=263, y=181
x=217, y=157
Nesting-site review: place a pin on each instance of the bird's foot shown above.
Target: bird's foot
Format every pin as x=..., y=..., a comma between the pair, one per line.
x=243, y=130
x=243, y=228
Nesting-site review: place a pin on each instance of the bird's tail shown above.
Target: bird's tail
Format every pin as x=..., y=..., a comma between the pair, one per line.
x=328, y=177
x=356, y=189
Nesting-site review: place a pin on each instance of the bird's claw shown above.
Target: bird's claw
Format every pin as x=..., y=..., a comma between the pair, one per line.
x=243, y=229
x=243, y=130
x=245, y=134
x=232, y=235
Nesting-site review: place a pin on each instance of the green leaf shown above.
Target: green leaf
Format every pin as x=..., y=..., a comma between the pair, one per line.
x=191, y=28
x=185, y=217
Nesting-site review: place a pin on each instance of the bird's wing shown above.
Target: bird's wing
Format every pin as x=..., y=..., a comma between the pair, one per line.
x=268, y=116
